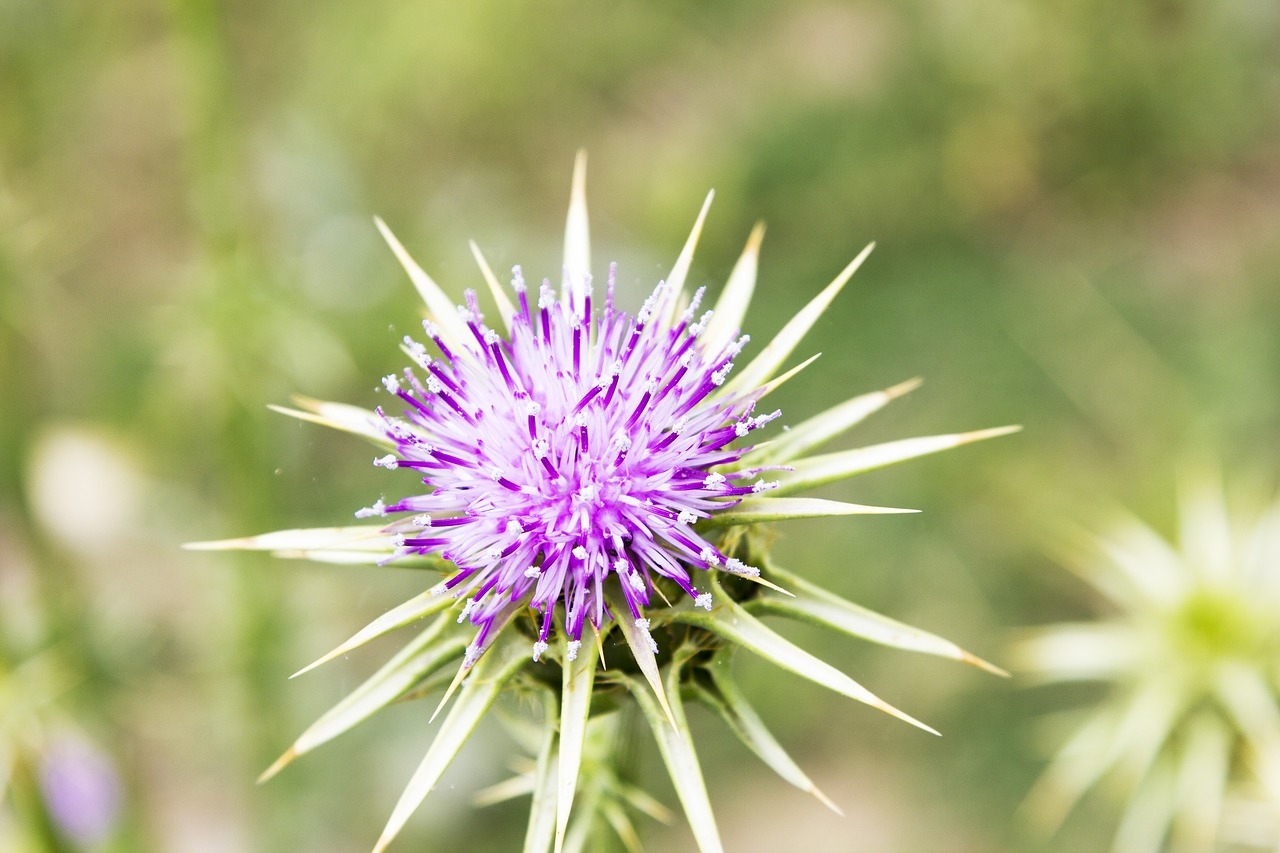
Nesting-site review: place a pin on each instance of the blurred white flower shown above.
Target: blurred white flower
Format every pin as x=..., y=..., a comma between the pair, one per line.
x=85, y=488
x=1191, y=652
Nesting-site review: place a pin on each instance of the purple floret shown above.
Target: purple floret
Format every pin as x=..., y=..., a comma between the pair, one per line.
x=579, y=447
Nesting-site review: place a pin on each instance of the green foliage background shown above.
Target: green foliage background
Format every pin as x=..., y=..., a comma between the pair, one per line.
x=1077, y=212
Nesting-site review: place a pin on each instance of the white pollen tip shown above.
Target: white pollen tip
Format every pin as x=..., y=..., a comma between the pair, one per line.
x=572, y=649
x=636, y=582
x=532, y=572
x=703, y=601
x=687, y=517
x=472, y=655
x=491, y=337
x=532, y=408
x=422, y=520
x=643, y=625
x=580, y=552
x=714, y=481
x=391, y=382
x=389, y=461
x=538, y=648
x=378, y=509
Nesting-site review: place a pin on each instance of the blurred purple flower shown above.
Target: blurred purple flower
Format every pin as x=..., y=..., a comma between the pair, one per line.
x=81, y=789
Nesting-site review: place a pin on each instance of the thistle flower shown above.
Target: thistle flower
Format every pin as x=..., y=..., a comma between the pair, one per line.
x=1190, y=725
x=586, y=471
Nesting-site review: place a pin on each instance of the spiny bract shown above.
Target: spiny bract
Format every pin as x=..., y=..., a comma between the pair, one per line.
x=589, y=468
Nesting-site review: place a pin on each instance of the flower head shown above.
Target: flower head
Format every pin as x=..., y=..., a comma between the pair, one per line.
x=586, y=470
x=580, y=447
x=1190, y=726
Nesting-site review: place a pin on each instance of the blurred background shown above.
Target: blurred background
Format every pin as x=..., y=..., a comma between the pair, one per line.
x=1077, y=212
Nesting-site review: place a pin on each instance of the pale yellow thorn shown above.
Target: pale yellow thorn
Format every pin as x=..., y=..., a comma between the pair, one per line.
x=441, y=309
x=767, y=583
x=893, y=392
x=731, y=307
x=506, y=309
x=775, y=352
x=774, y=383
x=279, y=764
x=444, y=700
x=577, y=238
x=680, y=271
x=974, y=660
x=825, y=800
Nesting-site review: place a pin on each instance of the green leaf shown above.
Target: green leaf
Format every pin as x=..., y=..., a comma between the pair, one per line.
x=771, y=357
x=440, y=308
x=639, y=641
x=616, y=816
x=822, y=428
x=736, y=625
x=675, y=743
x=425, y=654
x=490, y=676
x=727, y=701
x=432, y=601
x=575, y=710
x=817, y=470
x=811, y=603
x=765, y=508
x=731, y=307
x=542, y=812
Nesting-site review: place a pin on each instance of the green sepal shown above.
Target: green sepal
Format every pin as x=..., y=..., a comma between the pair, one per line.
x=815, y=605
x=724, y=697
x=488, y=678
x=736, y=625
x=425, y=654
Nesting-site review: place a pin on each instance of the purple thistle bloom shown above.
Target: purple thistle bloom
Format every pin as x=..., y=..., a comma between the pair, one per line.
x=580, y=446
x=584, y=443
